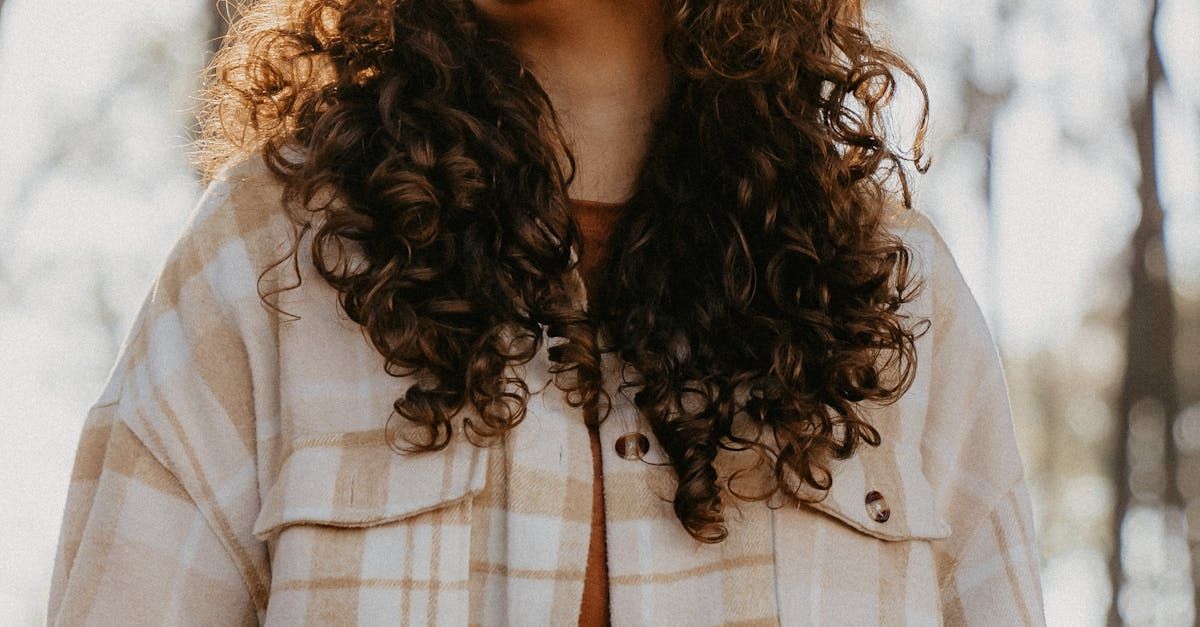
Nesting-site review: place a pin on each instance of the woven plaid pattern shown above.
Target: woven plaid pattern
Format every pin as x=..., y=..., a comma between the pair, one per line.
x=234, y=470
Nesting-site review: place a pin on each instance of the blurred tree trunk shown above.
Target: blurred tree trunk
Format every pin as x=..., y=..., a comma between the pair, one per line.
x=1149, y=388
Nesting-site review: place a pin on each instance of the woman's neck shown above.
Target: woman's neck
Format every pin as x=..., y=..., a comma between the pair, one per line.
x=602, y=64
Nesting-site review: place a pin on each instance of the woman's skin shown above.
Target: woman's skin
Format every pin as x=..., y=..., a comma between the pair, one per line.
x=602, y=64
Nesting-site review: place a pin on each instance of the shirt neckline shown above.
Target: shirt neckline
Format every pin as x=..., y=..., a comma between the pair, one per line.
x=596, y=204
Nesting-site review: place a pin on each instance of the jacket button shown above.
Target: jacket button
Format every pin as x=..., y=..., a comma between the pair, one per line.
x=877, y=507
x=632, y=445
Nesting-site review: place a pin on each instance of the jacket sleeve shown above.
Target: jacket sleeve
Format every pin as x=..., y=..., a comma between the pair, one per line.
x=165, y=486
x=135, y=547
x=988, y=568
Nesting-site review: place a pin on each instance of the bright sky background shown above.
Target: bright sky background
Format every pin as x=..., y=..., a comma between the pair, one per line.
x=104, y=222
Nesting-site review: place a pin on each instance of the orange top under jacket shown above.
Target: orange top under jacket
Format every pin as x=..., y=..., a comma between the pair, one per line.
x=596, y=220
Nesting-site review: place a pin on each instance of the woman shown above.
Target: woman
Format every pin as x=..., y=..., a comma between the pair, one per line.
x=552, y=312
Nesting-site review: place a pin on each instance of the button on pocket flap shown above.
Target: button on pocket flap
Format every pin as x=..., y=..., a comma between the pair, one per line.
x=354, y=479
x=881, y=491
x=884, y=493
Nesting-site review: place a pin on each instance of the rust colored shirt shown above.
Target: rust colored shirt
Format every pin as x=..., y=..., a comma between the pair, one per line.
x=596, y=220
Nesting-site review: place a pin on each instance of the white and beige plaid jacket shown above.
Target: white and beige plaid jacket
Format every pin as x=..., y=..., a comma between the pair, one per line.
x=233, y=472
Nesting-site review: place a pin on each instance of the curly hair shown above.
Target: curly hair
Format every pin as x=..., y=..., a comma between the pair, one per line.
x=754, y=250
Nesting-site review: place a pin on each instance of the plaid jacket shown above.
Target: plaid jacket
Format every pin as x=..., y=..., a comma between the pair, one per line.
x=233, y=471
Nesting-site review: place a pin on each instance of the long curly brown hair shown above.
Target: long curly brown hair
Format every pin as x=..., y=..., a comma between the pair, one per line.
x=754, y=251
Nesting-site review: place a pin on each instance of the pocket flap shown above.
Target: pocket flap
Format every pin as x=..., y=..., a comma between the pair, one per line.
x=880, y=491
x=883, y=492
x=890, y=476
x=354, y=479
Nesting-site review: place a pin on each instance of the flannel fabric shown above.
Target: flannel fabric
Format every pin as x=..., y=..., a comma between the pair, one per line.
x=234, y=471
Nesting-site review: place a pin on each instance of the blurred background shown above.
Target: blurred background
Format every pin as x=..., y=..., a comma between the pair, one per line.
x=1066, y=179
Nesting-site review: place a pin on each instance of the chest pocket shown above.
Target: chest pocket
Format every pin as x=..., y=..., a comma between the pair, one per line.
x=359, y=533
x=884, y=493
x=865, y=554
